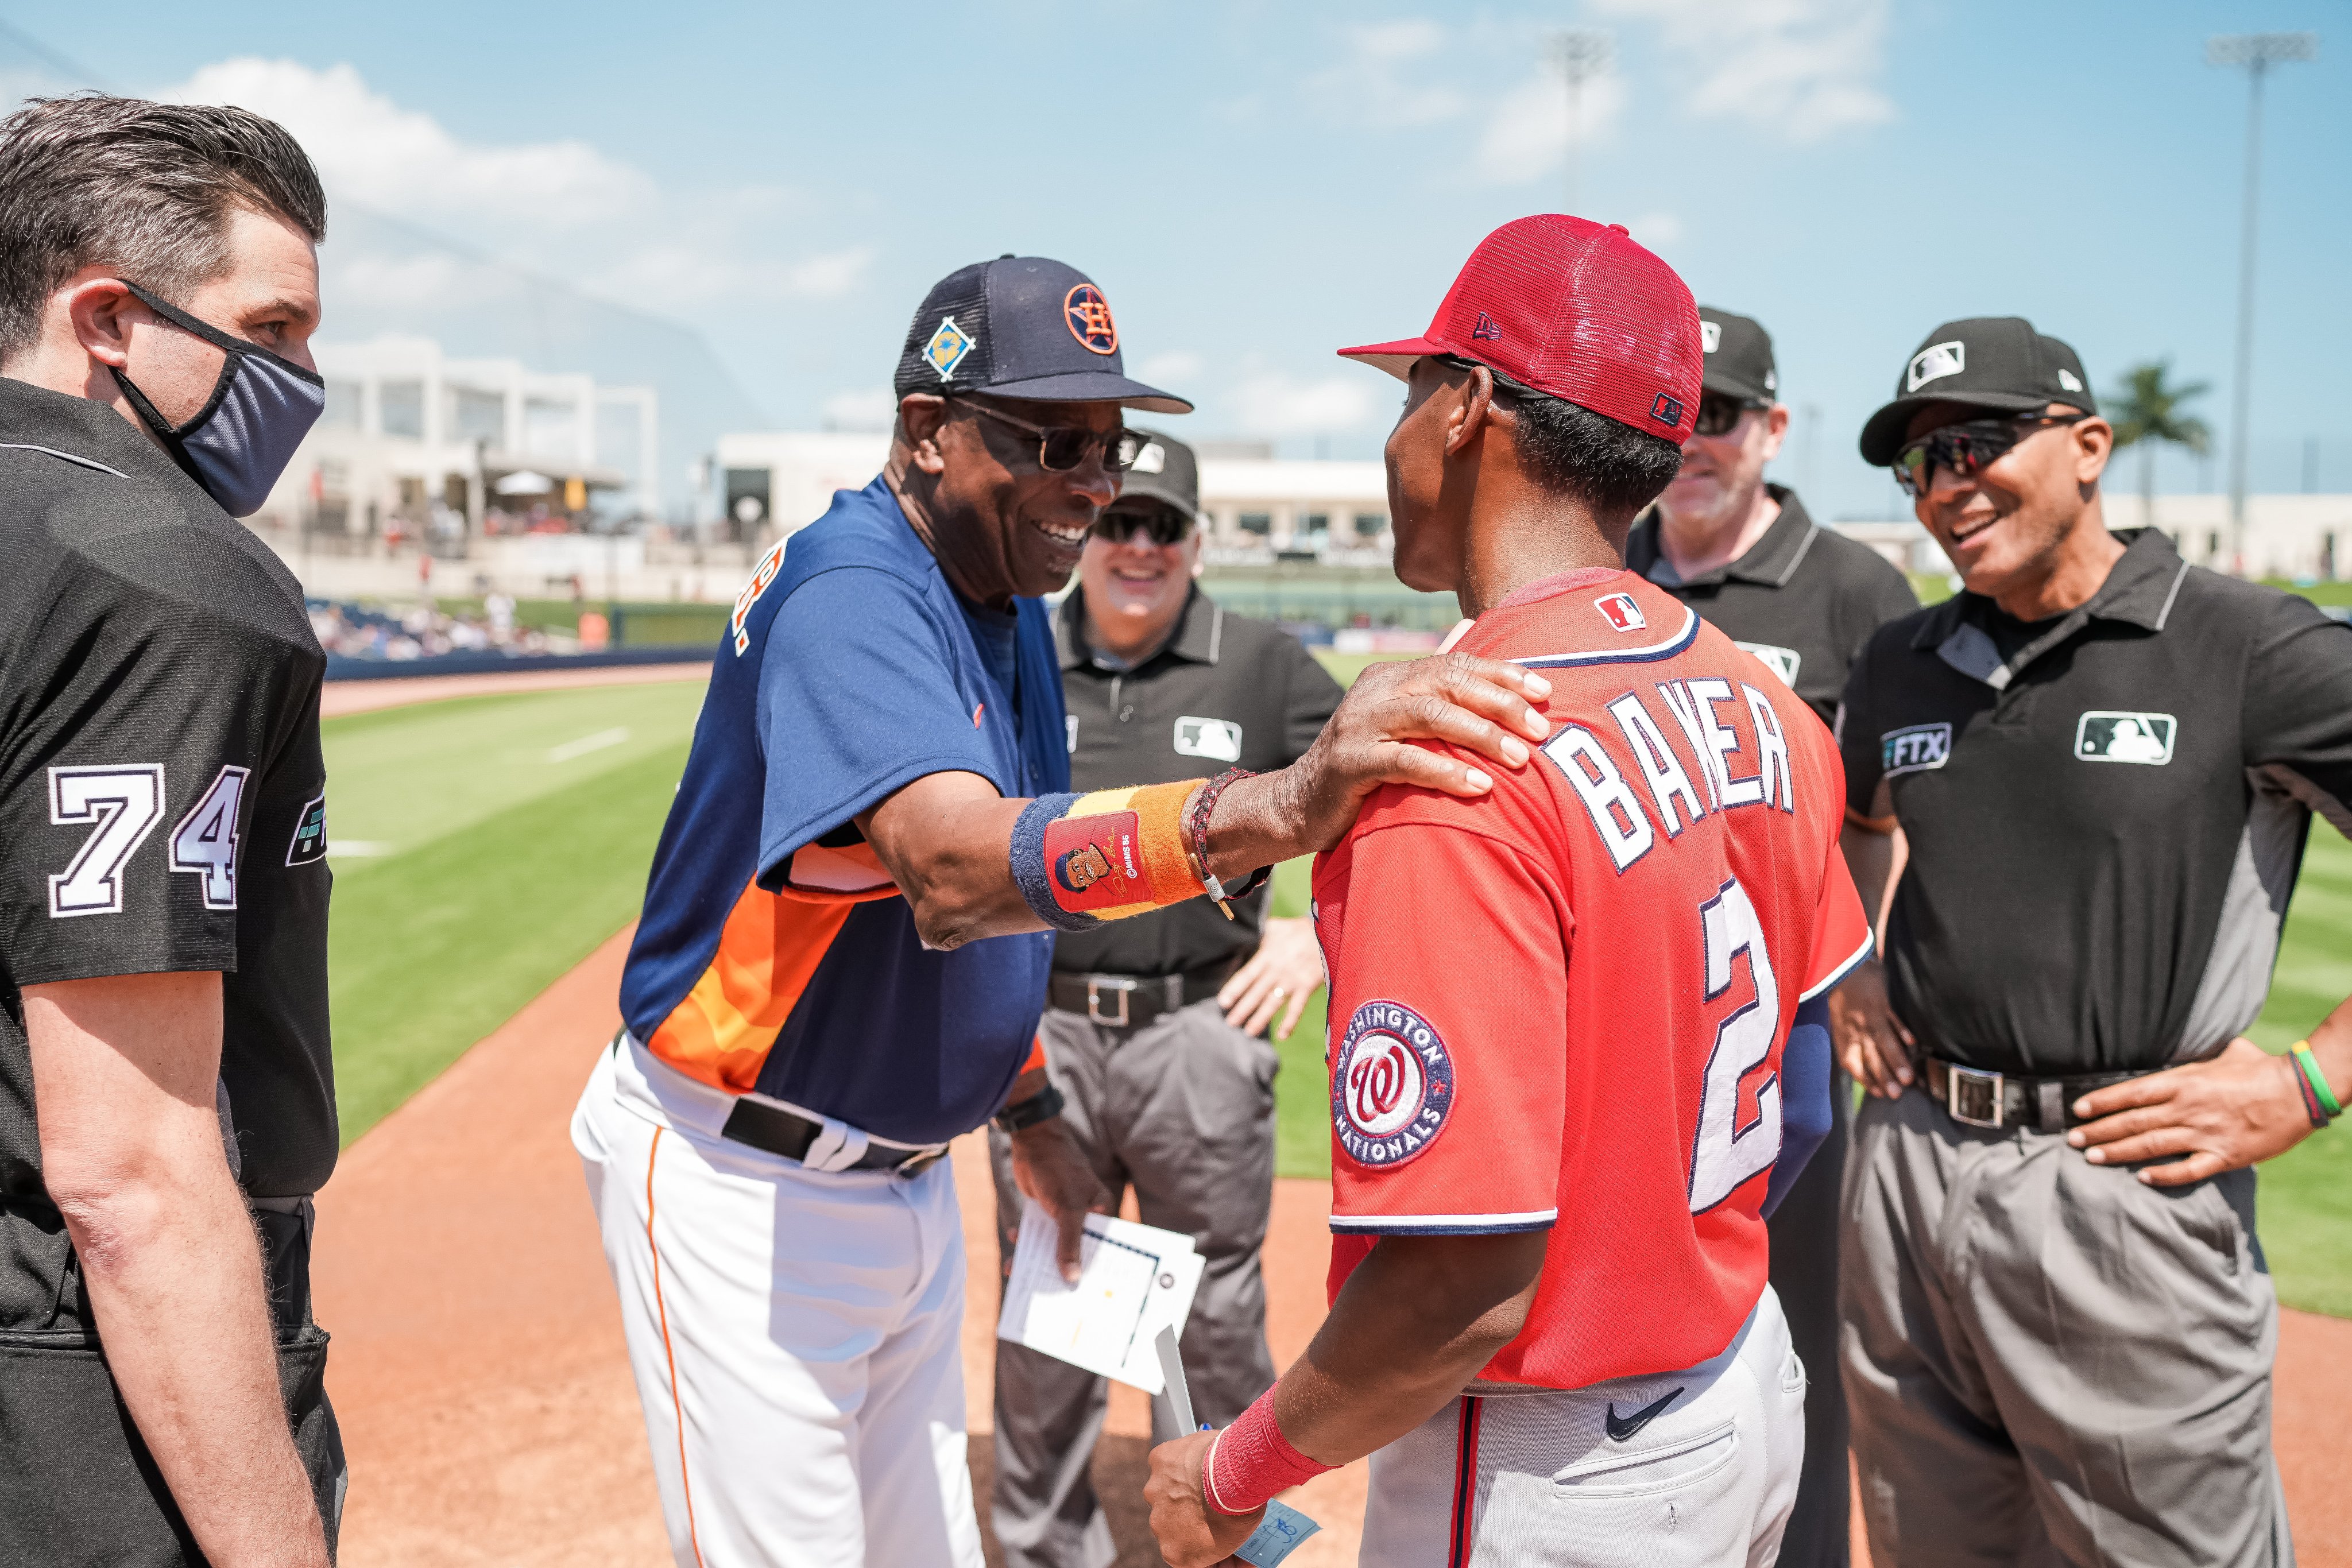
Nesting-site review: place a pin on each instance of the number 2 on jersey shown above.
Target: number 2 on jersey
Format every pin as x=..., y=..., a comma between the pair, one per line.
x=1724, y=1154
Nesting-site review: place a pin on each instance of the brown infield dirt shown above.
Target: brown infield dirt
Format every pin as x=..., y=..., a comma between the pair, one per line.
x=340, y=698
x=478, y=1370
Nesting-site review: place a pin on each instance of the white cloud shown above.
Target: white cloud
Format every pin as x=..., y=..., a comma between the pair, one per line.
x=708, y=271
x=393, y=283
x=369, y=148
x=1175, y=365
x=863, y=408
x=1526, y=131
x=1369, y=84
x=1803, y=69
x=1656, y=230
x=1270, y=403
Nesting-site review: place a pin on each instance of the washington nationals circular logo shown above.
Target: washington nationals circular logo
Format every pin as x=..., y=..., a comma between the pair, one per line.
x=1088, y=314
x=1391, y=1085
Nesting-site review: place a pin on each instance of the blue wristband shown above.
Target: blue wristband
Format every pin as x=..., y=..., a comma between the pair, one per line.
x=1029, y=864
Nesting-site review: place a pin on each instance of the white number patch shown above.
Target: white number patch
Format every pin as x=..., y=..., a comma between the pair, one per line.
x=206, y=840
x=1724, y=1154
x=124, y=801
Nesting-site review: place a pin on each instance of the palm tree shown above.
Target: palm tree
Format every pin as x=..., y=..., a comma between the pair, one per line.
x=2145, y=411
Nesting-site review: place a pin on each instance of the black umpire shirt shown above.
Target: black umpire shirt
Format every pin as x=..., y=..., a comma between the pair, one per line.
x=1803, y=600
x=161, y=792
x=2106, y=811
x=1226, y=692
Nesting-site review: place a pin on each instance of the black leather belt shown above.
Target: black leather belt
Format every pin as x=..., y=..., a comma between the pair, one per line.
x=1130, y=1001
x=1979, y=1098
x=780, y=1131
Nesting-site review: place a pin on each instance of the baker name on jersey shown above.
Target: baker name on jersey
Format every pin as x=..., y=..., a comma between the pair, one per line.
x=1732, y=752
x=1392, y=1084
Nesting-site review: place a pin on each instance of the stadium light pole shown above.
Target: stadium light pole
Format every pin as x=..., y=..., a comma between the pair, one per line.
x=2257, y=52
x=1580, y=54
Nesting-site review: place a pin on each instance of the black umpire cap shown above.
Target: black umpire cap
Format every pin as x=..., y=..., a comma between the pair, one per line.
x=1738, y=356
x=1995, y=362
x=1021, y=326
x=1164, y=471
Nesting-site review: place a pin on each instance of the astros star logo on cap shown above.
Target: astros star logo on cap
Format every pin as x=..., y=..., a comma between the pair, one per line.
x=1088, y=314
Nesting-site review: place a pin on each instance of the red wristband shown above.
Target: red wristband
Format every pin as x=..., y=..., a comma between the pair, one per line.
x=1251, y=1460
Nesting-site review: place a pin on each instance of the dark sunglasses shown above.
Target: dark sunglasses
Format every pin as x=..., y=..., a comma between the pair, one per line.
x=1166, y=525
x=1062, y=447
x=1719, y=415
x=1967, y=447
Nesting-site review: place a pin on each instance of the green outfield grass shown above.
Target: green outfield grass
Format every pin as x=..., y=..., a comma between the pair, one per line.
x=481, y=847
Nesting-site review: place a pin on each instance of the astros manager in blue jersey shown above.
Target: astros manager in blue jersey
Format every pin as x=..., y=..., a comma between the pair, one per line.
x=845, y=941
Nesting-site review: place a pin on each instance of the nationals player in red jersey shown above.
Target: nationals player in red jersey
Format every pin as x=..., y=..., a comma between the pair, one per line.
x=1578, y=1040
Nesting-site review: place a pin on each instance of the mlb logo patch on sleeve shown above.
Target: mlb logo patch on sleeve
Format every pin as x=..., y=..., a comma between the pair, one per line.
x=2102, y=736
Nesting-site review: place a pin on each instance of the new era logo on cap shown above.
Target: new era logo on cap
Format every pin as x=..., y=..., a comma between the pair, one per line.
x=1486, y=327
x=1935, y=360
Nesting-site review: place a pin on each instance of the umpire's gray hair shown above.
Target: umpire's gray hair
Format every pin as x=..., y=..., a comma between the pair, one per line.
x=145, y=187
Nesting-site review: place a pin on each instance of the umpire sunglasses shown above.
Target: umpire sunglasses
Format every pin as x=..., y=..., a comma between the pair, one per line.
x=1719, y=415
x=1967, y=447
x=1164, y=523
x=1062, y=447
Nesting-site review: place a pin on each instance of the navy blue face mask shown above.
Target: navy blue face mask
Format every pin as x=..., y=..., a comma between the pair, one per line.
x=241, y=440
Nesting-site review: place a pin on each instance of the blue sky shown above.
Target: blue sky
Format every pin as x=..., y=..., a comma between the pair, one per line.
x=1254, y=186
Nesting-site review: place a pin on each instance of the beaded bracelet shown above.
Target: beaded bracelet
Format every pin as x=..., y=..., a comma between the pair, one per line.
x=1197, y=827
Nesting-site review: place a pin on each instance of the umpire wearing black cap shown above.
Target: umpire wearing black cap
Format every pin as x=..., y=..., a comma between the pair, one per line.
x=1151, y=1025
x=2058, y=1325
x=1745, y=555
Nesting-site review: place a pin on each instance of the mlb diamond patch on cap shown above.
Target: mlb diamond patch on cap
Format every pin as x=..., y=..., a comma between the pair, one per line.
x=947, y=348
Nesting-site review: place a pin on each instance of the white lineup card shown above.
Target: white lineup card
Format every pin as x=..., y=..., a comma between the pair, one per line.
x=1134, y=1281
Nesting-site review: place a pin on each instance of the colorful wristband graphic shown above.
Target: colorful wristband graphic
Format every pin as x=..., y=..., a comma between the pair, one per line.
x=2315, y=1080
x=1251, y=1460
x=1081, y=858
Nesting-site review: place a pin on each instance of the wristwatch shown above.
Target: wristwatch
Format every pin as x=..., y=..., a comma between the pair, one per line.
x=1040, y=1107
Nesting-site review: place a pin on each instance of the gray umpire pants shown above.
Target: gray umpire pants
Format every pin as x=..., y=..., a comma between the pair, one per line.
x=2048, y=1361
x=1184, y=1110
x=1804, y=1231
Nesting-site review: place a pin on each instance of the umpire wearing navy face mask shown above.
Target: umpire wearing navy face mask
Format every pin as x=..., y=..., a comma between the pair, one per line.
x=2058, y=1326
x=1743, y=553
x=1151, y=1025
x=167, y=1103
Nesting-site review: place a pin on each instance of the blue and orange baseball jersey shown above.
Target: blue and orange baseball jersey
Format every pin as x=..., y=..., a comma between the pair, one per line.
x=1568, y=1006
x=775, y=955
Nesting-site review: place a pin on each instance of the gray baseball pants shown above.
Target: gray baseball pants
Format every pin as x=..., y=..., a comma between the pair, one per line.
x=2049, y=1361
x=1184, y=1110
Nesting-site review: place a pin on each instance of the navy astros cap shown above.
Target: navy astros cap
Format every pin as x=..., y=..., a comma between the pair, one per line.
x=1996, y=362
x=1021, y=326
x=1738, y=356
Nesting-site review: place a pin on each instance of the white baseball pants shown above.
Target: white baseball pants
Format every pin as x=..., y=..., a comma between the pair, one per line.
x=1512, y=1478
x=795, y=1335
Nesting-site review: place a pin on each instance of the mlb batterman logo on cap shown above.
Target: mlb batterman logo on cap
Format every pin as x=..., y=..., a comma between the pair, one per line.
x=1995, y=362
x=1021, y=326
x=1574, y=309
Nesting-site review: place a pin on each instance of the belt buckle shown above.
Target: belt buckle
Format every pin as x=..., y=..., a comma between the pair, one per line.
x=1118, y=985
x=920, y=1163
x=1975, y=1099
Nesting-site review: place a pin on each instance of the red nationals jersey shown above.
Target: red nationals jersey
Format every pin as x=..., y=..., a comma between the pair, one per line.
x=1563, y=1006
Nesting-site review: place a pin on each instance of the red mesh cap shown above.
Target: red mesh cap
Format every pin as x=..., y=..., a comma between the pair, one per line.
x=1574, y=309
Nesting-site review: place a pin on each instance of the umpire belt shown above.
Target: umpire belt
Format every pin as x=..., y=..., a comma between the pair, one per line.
x=1978, y=1099
x=1130, y=1001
